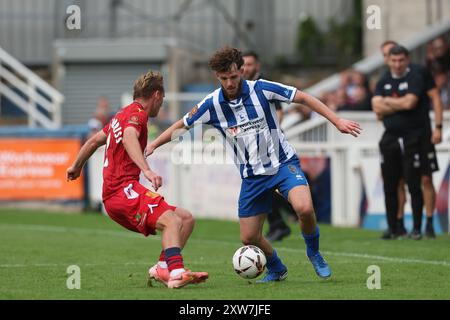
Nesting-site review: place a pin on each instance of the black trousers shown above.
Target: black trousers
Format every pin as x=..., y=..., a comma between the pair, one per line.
x=401, y=157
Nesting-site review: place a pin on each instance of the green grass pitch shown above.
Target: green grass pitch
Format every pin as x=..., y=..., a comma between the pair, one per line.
x=37, y=247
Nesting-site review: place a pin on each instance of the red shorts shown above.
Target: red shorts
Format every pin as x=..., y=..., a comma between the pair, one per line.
x=137, y=208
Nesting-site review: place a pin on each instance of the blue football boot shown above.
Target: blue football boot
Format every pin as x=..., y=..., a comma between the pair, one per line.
x=320, y=266
x=274, y=276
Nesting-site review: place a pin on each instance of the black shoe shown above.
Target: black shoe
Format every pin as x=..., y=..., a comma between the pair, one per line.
x=429, y=232
x=415, y=235
x=401, y=233
x=278, y=234
x=387, y=235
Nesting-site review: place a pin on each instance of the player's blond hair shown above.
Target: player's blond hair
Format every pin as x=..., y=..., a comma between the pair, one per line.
x=147, y=83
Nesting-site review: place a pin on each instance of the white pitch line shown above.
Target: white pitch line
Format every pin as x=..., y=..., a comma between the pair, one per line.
x=58, y=229
x=392, y=259
x=47, y=228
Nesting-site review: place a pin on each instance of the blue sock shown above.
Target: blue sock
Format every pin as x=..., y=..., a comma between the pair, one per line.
x=274, y=263
x=312, y=242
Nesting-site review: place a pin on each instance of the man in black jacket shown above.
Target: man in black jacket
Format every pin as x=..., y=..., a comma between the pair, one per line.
x=402, y=103
x=429, y=192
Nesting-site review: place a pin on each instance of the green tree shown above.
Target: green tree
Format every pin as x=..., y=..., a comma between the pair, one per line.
x=309, y=41
x=346, y=37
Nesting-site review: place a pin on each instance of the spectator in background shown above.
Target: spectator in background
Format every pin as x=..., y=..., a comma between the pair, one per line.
x=438, y=56
x=252, y=71
x=401, y=101
x=356, y=88
x=429, y=193
x=101, y=116
x=278, y=229
x=352, y=94
x=438, y=63
x=252, y=66
x=442, y=80
x=340, y=99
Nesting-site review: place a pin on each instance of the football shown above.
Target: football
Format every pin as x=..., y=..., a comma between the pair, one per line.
x=249, y=262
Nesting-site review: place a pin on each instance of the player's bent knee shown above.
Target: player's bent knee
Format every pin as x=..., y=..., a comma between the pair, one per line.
x=176, y=222
x=250, y=239
x=304, y=210
x=185, y=215
x=170, y=219
x=188, y=219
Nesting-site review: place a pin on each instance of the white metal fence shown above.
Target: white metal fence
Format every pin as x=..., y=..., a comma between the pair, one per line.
x=40, y=101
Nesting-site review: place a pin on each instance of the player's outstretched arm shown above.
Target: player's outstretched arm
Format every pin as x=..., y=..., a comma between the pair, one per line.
x=164, y=137
x=131, y=144
x=86, y=151
x=343, y=125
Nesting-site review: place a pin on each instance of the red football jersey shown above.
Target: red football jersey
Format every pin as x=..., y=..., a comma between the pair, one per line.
x=118, y=168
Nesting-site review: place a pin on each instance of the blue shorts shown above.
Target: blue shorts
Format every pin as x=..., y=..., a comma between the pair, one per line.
x=257, y=192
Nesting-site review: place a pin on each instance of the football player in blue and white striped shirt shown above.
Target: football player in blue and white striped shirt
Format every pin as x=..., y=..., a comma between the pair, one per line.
x=243, y=111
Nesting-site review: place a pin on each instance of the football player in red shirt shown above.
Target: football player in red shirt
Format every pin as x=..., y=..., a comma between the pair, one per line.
x=127, y=201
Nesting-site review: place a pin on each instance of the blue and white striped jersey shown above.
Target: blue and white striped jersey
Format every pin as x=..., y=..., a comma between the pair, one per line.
x=250, y=124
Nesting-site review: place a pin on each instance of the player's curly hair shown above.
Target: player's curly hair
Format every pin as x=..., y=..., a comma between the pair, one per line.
x=223, y=59
x=147, y=83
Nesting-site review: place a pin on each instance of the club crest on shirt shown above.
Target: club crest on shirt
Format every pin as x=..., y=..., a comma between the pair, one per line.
x=242, y=117
x=192, y=112
x=134, y=120
x=292, y=169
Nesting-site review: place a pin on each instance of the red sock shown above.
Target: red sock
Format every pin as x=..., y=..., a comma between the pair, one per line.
x=174, y=259
x=162, y=256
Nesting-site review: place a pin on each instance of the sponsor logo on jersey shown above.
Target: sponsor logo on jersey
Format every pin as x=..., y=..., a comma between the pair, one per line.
x=251, y=126
x=152, y=194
